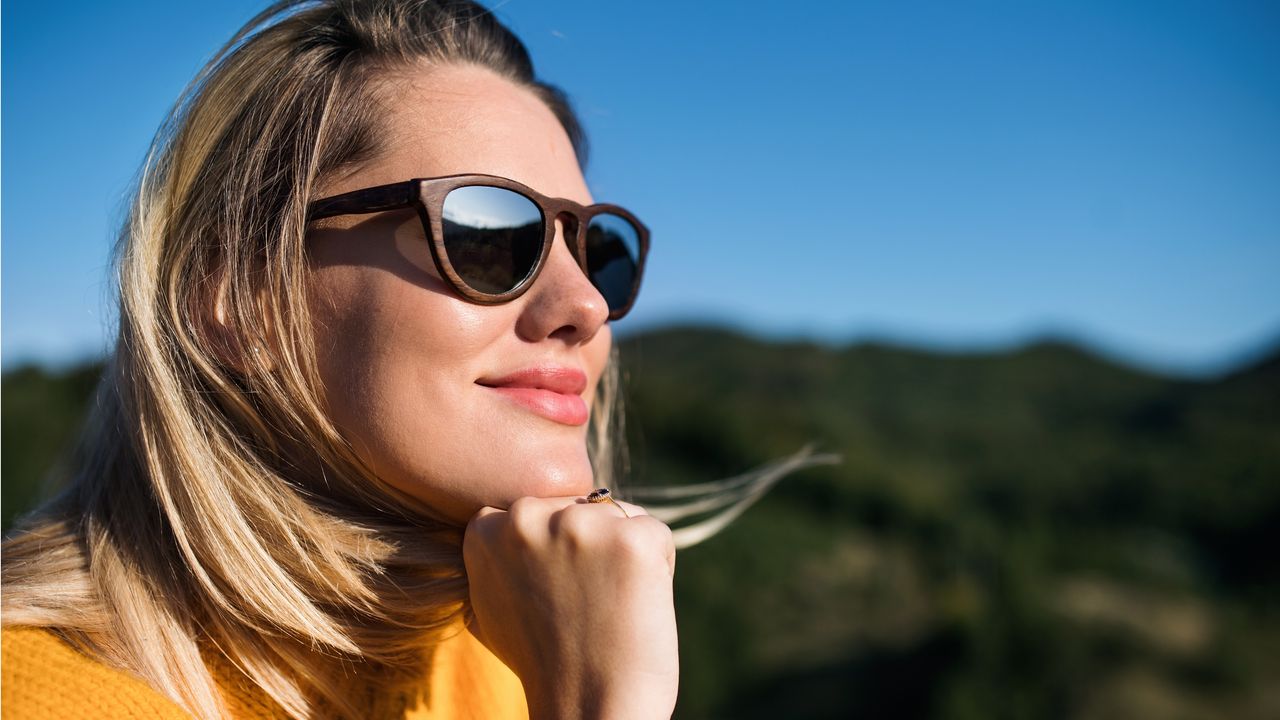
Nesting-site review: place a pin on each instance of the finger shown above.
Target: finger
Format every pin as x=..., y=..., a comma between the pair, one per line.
x=664, y=539
x=481, y=517
x=632, y=509
x=481, y=525
x=533, y=503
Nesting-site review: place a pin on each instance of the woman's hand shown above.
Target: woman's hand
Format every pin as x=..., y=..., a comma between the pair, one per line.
x=577, y=600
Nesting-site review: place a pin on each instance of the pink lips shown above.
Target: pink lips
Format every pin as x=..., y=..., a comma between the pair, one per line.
x=554, y=392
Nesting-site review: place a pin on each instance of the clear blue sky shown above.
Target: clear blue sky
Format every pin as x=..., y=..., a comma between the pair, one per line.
x=955, y=174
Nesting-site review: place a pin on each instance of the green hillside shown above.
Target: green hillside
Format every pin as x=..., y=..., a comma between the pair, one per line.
x=1032, y=534
x=1035, y=534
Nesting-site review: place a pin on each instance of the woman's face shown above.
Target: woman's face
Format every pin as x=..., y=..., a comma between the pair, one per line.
x=444, y=399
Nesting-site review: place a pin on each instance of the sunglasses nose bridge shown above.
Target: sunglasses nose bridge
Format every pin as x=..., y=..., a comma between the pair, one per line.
x=571, y=227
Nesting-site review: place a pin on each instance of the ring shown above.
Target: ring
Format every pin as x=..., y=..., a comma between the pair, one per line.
x=603, y=495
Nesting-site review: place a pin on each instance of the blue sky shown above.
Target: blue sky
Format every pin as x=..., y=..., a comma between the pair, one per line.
x=950, y=174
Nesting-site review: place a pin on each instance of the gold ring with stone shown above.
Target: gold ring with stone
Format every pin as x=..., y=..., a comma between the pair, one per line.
x=603, y=495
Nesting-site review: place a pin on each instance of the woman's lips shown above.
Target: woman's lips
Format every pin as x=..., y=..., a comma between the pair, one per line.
x=552, y=392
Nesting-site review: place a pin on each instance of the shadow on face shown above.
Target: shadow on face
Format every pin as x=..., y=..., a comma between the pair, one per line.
x=393, y=241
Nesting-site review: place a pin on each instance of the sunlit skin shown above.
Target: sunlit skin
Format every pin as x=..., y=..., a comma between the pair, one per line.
x=575, y=597
x=400, y=353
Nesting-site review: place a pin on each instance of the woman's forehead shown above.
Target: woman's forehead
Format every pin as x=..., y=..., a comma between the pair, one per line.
x=452, y=119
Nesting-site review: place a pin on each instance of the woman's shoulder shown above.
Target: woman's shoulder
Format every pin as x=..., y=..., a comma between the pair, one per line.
x=43, y=676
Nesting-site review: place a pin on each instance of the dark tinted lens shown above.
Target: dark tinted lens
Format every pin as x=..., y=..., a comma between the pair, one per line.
x=613, y=257
x=493, y=236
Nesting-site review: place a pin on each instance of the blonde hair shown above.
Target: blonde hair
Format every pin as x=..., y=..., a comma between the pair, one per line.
x=213, y=506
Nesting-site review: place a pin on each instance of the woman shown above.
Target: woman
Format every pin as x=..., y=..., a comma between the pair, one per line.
x=339, y=462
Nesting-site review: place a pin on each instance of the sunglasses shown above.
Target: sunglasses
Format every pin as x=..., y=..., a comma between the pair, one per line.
x=490, y=236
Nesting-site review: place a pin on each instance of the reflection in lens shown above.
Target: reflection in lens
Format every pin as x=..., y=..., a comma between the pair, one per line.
x=613, y=257
x=492, y=236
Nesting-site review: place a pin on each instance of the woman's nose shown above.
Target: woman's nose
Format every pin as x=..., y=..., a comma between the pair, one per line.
x=562, y=302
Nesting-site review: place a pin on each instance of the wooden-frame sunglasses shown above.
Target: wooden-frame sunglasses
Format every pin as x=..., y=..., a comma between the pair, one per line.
x=607, y=241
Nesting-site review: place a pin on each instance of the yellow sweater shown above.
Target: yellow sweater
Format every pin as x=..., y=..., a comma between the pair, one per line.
x=44, y=677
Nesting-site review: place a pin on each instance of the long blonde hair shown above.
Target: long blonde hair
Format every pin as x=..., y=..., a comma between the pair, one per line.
x=213, y=506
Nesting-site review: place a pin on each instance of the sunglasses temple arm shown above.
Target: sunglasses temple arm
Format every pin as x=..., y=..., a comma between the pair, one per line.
x=369, y=200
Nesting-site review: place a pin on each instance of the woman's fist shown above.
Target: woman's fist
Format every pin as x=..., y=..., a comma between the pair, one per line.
x=577, y=600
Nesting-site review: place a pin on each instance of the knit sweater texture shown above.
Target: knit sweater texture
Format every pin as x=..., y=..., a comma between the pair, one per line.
x=42, y=676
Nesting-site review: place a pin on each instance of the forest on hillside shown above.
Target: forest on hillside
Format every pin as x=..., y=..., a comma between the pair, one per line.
x=1039, y=533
